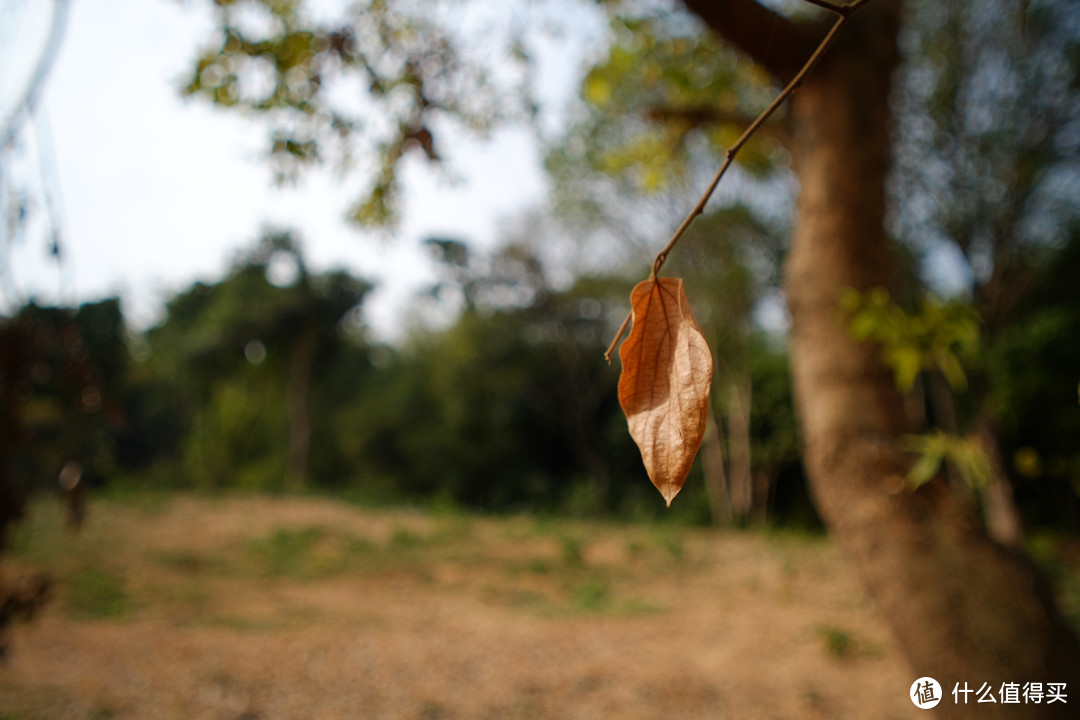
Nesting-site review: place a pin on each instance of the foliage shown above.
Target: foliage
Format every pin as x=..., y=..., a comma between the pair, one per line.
x=246, y=350
x=379, y=78
x=665, y=95
x=939, y=336
x=966, y=454
x=988, y=144
x=773, y=430
x=506, y=408
x=63, y=381
x=1032, y=369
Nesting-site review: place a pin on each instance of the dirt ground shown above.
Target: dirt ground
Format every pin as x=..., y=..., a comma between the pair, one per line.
x=259, y=609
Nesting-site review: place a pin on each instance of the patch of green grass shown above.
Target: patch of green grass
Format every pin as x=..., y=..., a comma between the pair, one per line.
x=636, y=549
x=843, y=644
x=452, y=527
x=405, y=539
x=305, y=553
x=538, y=566
x=260, y=624
x=103, y=712
x=360, y=546
x=592, y=595
x=572, y=552
x=838, y=642
x=314, y=552
x=40, y=537
x=94, y=593
x=147, y=502
x=286, y=553
x=674, y=545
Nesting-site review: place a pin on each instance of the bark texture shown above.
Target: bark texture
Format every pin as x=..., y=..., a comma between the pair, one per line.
x=964, y=608
x=300, y=369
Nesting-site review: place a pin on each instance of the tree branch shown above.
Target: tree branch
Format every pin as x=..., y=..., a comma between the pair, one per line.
x=766, y=37
x=24, y=107
x=692, y=116
x=843, y=16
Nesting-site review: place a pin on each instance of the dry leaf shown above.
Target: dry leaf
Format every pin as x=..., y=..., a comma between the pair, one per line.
x=665, y=381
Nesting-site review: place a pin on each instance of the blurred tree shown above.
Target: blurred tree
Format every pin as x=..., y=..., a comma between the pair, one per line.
x=657, y=114
x=839, y=127
x=718, y=262
x=509, y=407
x=63, y=384
x=928, y=564
x=1031, y=368
x=988, y=165
x=380, y=79
x=62, y=374
x=245, y=353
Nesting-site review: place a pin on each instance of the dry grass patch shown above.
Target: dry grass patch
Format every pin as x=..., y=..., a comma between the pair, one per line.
x=264, y=608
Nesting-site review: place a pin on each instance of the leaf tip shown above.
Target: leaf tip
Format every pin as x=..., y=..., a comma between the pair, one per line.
x=669, y=492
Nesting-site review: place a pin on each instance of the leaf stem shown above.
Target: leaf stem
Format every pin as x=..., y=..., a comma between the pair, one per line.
x=618, y=336
x=844, y=13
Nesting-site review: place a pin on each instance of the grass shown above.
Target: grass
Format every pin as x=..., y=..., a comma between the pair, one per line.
x=95, y=593
x=839, y=643
x=440, y=614
x=104, y=574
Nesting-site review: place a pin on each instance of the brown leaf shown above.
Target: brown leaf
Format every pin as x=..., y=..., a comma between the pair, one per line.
x=665, y=381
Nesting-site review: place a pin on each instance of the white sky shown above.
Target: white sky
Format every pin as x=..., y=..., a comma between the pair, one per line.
x=158, y=191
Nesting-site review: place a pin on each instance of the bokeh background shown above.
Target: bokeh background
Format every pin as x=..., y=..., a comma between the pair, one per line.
x=305, y=411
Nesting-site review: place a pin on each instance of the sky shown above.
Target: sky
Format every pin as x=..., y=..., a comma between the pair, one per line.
x=157, y=191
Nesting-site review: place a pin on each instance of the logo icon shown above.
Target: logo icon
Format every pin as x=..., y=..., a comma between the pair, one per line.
x=925, y=693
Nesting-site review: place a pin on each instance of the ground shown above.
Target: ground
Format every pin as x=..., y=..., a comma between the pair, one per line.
x=187, y=608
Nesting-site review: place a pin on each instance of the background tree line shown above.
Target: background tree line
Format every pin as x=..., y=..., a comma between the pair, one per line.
x=267, y=380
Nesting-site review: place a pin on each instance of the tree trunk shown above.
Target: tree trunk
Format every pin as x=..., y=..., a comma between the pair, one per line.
x=712, y=466
x=764, y=480
x=999, y=507
x=742, y=484
x=963, y=608
x=300, y=365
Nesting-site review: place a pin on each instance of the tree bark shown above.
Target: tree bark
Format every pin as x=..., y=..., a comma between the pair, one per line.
x=300, y=366
x=742, y=483
x=999, y=507
x=963, y=608
x=712, y=466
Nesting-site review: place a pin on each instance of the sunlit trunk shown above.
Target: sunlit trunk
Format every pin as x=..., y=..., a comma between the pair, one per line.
x=964, y=609
x=999, y=507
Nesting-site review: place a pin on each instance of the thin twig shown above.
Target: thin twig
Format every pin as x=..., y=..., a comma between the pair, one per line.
x=841, y=10
x=618, y=336
x=844, y=12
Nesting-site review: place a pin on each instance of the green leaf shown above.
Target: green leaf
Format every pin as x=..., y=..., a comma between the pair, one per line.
x=924, y=470
x=951, y=368
x=906, y=362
